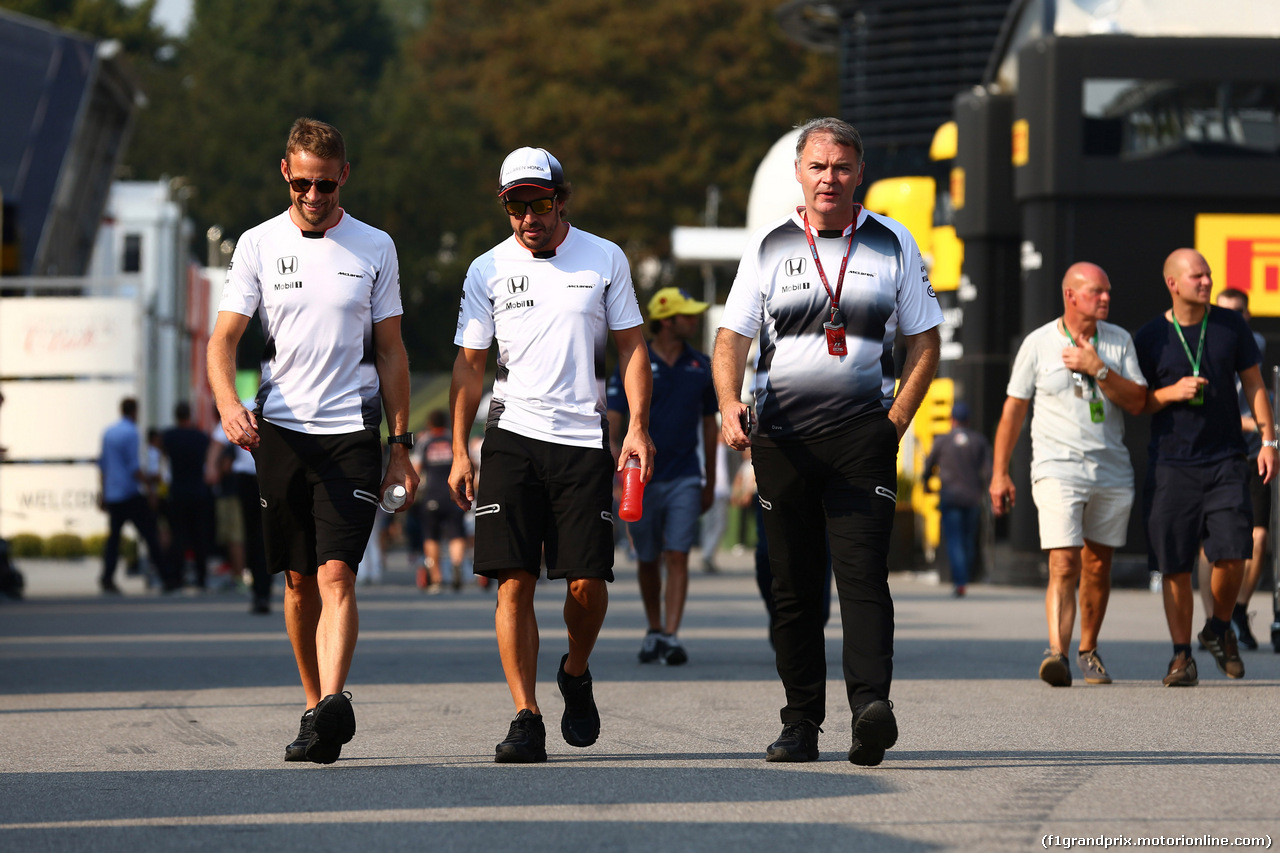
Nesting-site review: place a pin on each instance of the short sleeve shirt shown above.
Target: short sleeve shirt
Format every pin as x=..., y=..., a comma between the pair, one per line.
x=1183, y=434
x=1065, y=442
x=801, y=390
x=318, y=296
x=682, y=396
x=551, y=317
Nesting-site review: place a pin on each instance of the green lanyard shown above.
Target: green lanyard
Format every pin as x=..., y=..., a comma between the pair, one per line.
x=1093, y=386
x=1097, y=410
x=1204, y=327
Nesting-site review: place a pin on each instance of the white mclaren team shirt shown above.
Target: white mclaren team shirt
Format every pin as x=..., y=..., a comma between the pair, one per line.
x=801, y=390
x=551, y=317
x=318, y=298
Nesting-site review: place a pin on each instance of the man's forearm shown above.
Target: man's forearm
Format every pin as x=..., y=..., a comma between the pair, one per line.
x=465, y=390
x=393, y=380
x=917, y=372
x=728, y=363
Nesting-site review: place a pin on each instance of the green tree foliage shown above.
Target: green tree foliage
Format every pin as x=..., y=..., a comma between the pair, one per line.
x=645, y=104
x=247, y=69
x=130, y=24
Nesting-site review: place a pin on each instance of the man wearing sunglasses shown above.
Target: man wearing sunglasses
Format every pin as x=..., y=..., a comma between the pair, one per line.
x=549, y=295
x=327, y=290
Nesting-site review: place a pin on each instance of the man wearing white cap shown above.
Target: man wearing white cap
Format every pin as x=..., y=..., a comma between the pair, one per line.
x=684, y=402
x=549, y=294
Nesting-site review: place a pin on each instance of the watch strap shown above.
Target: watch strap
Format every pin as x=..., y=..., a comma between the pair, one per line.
x=405, y=438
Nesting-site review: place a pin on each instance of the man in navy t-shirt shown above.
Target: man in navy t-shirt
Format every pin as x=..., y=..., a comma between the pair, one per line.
x=684, y=402
x=1197, y=476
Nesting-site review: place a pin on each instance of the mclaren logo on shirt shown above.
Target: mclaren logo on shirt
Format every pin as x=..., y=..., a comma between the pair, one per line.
x=287, y=266
x=518, y=284
x=795, y=266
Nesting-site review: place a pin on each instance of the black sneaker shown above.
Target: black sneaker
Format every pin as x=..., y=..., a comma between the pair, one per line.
x=297, y=751
x=875, y=729
x=1225, y=651
x=335, y=724
x=1182, y=672
x=526, y=741
x=580, y=724
x=798, y=742
x=1241, y=620
x=673, y=654
x=651, y=648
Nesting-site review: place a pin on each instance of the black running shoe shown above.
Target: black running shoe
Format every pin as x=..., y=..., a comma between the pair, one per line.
x=651, y=648
x=526, y=741
x=1225, y=651
x=335, y=724
x=798, y=742
x=1243, y=632
x=1182, y=672
x=297, y=751
x=875, y=729
x=674, y=653
x=580, y=724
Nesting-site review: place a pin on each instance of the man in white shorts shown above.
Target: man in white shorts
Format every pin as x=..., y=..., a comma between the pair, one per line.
x=1084, y=375
x=327, y=289
x=549, y=295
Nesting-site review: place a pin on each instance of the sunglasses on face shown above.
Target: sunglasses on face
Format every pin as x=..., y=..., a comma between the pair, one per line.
x=302, y=186
x=539, y=206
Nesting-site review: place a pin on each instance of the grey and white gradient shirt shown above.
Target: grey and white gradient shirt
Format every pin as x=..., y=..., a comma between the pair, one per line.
x=801, y=390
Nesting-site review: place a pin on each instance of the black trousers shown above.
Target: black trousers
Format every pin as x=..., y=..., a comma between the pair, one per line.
x=191, y=526
x=137, y=511
x=255, y=553
x=841, y=489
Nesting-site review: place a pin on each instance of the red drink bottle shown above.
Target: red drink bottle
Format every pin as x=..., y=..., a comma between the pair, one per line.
x=632, y=504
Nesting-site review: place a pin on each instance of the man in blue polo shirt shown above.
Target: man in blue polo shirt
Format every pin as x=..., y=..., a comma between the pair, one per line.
x=683, y=400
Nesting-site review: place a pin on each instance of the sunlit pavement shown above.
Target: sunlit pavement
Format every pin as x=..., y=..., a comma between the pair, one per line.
x=147, y=722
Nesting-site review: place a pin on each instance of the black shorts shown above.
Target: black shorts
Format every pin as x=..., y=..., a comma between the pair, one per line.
x=1259, y=496
x=442, y=521
x=1187, y=507
x=537, y=495
x=319, y=496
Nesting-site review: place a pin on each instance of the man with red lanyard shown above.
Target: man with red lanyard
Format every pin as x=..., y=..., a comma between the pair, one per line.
x=827, y=289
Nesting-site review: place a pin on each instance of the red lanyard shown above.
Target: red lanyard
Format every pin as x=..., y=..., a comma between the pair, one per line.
x=844, y=263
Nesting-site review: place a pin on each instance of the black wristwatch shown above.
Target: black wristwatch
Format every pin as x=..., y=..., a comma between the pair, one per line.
x=405, y=438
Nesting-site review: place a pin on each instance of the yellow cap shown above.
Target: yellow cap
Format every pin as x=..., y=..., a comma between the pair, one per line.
x=670, y=301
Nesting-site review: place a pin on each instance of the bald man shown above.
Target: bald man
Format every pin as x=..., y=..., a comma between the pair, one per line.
x=1197, y=488
x=1084, y=375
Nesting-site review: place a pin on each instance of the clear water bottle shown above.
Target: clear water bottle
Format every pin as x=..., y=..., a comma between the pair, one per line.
x=393, y=498
x=632, y=504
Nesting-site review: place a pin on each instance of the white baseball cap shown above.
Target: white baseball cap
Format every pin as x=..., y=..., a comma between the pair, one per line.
x=530, y=167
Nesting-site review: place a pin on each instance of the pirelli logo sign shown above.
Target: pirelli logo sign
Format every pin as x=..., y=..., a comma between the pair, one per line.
x=1243, y=251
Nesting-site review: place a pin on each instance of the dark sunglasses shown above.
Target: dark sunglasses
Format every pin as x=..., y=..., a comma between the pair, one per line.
x=302, y=186
x=539, y=206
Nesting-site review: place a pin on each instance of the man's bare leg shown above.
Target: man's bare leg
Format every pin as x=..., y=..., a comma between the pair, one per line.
x=301, y=616
x=1179, y=606
x=1060, y=597
x=338, y=625
x=1095, y=591
x=649, y=576
x=677, y=588
x=517, y=630
x=585, y=605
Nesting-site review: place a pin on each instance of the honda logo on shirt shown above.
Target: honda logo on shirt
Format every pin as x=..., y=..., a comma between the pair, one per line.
x=518, y=284
x=795, y=266
x=287, y=266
